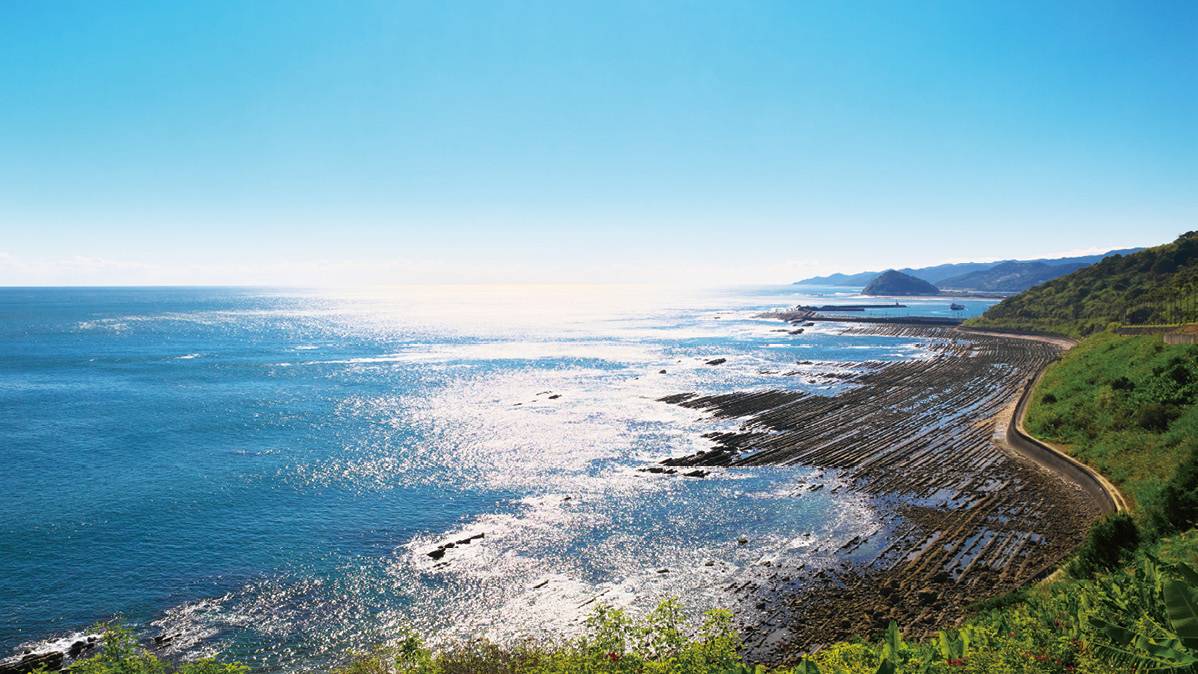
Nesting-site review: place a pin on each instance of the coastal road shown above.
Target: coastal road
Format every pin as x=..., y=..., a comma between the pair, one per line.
x=1014, y=436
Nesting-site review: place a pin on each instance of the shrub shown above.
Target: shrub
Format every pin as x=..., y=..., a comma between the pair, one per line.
x=1156, y=417
x=1108, y=543
x=614, y=642
x=1177, y=508
x=121, y=654
x=1123, y=384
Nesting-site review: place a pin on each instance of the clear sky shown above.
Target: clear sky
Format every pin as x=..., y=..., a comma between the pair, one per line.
x=390, y=142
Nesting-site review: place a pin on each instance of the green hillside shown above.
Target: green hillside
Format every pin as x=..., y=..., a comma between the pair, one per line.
x=1127, y=406
x=1154, y=286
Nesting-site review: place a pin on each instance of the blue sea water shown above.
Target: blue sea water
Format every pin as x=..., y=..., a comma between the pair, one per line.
x=264, y=472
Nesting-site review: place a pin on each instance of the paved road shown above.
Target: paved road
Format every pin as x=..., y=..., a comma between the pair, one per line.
x=1104, y=493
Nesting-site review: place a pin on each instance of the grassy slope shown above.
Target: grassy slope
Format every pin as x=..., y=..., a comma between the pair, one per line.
x=1125, y=405
x=1157, y=285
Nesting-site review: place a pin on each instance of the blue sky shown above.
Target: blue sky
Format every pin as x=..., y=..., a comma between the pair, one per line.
x=347, y=142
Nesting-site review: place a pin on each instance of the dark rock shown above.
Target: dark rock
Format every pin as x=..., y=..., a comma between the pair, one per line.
x=50, y=661
x=440, y=551
x=927, y=596
x=697, y=473
x=661, y=372
x=717, y=361
x=555, y=396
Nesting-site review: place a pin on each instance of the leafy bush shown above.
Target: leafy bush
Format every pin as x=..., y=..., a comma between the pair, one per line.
x=1122, y=383
x=1156, y=417
x=1177, y=508
x=121, y=654
x=1109, y=542
x=1148, y=622
x=662, y=641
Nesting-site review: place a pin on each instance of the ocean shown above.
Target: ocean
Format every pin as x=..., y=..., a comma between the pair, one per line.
x=263, y=473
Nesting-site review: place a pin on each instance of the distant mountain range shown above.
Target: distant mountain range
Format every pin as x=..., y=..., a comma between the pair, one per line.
x=1011, y=276
x=1001, y=276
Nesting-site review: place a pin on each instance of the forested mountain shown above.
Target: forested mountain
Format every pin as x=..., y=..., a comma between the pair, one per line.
x=1155, y=285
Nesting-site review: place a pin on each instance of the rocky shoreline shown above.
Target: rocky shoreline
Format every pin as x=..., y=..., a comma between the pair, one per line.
x=963, y=517
x=53, y=656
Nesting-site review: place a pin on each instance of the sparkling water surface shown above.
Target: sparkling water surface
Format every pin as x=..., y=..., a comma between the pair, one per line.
x=264, y=472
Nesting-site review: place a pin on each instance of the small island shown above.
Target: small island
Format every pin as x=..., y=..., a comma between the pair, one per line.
x=891, y=282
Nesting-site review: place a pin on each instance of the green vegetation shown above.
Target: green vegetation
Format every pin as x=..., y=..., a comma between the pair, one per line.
x=1142, y=617
x=1136, y=619
x=1129, y=407
x=121, y=654
x=1154, y=286
x=1108, y=544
